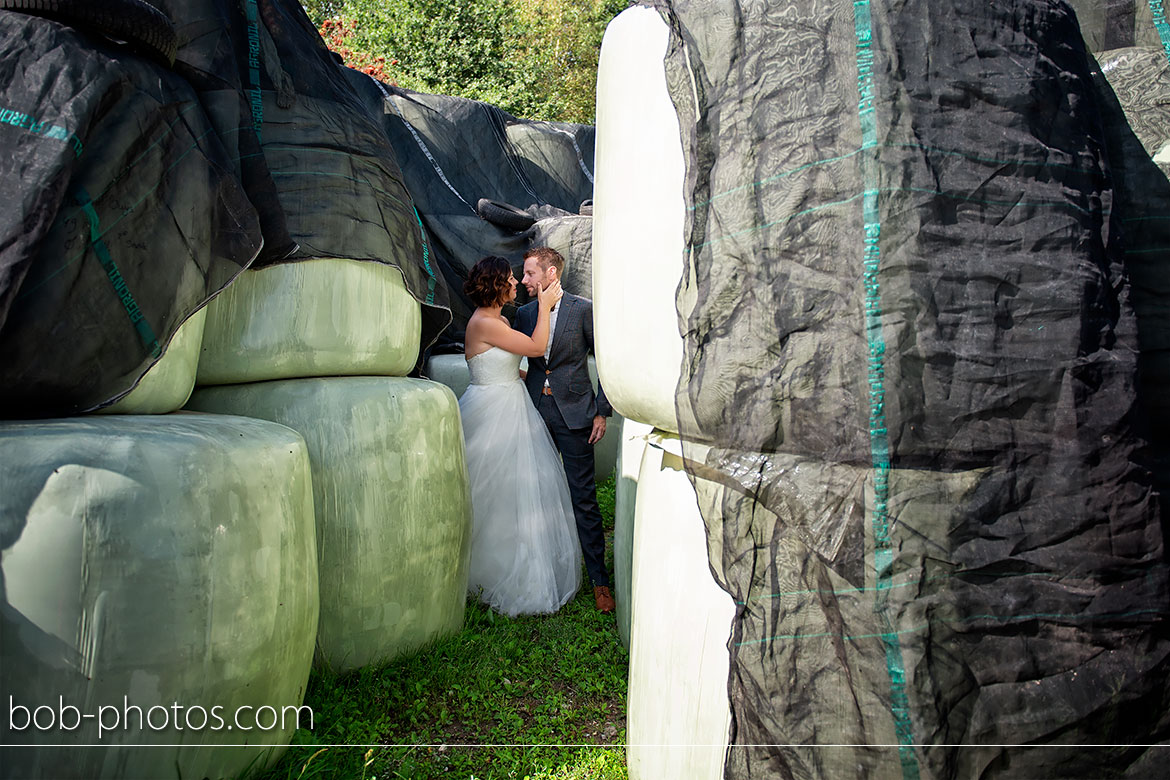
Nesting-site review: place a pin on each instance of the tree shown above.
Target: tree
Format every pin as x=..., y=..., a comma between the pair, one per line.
x=534, y=58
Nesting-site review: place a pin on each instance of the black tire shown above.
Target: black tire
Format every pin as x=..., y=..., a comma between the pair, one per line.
x=508, y=217
x=136, y=22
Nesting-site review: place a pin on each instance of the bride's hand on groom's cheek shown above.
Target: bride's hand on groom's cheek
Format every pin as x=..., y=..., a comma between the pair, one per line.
x=551, y=294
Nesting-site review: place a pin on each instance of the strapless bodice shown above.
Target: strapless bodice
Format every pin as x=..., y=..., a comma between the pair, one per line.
x=494, y=366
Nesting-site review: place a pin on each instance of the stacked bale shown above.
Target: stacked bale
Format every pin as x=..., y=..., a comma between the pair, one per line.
x=161, y=568
x=638, y=222
x=678, y=641
x=630, y=448
x=904, y=295
x=322, y=346
x=94, y=284
x=167, y=384
x=671, y=614
x=347, y=286
x=153, y=561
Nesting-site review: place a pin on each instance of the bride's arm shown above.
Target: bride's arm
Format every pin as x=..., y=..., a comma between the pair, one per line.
x=497, y=333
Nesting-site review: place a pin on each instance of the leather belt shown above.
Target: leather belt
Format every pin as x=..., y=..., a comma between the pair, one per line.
x=546, y=390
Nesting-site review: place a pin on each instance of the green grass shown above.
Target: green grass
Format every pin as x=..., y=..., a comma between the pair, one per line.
x=466, y=706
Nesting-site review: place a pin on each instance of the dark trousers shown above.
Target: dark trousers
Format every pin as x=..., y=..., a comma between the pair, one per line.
x=577, y=453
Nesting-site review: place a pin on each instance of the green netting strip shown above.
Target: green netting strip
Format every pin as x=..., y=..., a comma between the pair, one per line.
x=137, y=318
x=426, y=258
x=255, y=98
x=34, y=126
x=30, y=289
x=1158, y=9
x=883, y=552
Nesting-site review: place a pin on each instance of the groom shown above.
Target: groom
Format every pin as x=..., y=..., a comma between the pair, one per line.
x=560, y=388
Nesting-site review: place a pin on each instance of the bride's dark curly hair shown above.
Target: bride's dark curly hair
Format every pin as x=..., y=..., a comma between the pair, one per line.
x=488, y=283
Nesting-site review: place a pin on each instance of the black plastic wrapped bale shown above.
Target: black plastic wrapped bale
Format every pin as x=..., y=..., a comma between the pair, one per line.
x=456, y=153
x=315, y=163
x=572, y=236
x=1133, y=86
x=121, y=216
x=911, y=346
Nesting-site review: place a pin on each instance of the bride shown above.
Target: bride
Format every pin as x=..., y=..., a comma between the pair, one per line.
x=525, y=558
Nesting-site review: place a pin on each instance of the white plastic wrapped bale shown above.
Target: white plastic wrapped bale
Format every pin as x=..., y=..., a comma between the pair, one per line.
x=679, y=714
x=167, y=385
x=159, y=573
x=631, y=445
x=572, y=237
x=637, y=222
x=451, y=370
x=392, y=503
x=322, y=317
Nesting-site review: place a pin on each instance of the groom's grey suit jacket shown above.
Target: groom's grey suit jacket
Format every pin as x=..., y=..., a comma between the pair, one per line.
x=567, y=369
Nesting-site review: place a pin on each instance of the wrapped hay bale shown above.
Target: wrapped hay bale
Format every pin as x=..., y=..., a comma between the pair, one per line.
x=392, y=504
x=167, y=385
x=637, y=222
x=914, y=330
x=121, y=217
x=323, y=317
x=678, y=715
x=631, y=445
x=151, y=561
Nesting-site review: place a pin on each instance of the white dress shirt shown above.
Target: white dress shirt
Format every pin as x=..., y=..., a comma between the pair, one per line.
x=552, y=324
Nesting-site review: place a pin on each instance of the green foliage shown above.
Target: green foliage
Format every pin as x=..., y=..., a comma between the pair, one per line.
x=536, y=59
x=469, y=705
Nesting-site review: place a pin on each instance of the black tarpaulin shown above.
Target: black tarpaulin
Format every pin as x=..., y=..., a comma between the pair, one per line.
x=138, y=191
x=455, y=152
x=322, y=174
x=121, y=216
x=911, y=344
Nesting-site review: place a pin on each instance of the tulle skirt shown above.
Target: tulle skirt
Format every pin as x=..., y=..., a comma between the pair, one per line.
x=525, y=557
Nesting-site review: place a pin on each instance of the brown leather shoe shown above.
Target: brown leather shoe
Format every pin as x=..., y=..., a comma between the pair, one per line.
x=603, y=599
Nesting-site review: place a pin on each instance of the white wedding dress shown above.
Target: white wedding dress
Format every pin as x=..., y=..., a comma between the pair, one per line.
x=524, y=551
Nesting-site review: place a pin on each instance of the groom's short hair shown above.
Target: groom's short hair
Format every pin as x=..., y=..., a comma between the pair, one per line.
x=547, y=256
